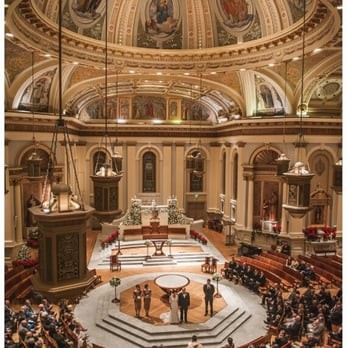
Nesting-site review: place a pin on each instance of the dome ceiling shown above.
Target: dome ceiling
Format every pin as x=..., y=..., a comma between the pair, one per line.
x=213, y=60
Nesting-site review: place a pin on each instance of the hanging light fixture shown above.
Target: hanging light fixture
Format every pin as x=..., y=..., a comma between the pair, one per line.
x=299, y=176
x=283, y=161
x=58, y=196
x=190, y=158
x=198, y=164
x=117, y=158
x=108, y=166
x=34, y=160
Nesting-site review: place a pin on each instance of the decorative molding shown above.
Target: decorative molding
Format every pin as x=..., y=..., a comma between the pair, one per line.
x=30, y=27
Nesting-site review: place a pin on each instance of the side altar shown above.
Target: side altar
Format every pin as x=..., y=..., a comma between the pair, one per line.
x=154, y=221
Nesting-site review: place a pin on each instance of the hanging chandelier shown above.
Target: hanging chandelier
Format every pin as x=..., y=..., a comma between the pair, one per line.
x=299, y=176
x=109, y=161
x=283, y=161
x=198, y=158
x=34, y=160
x=58, y=196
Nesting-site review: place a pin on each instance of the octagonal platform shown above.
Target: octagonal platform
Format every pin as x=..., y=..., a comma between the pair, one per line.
x=237, y=313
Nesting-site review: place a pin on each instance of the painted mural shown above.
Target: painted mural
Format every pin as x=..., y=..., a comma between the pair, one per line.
x=95, y=110
x=36, y=95
x=194, y=111
x=148, y=107
x=85, y=17
x=268, y=100
x=86, y=8
x=161, y=18
x=236, y=13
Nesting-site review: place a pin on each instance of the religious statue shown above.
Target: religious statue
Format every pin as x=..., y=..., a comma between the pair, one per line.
x=273, y=204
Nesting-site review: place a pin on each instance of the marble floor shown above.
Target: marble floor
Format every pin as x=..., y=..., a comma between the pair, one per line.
x=96, y=312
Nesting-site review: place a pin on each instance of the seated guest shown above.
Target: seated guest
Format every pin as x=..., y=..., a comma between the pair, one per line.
x=336, y=335
x=316, y=328
x=281, y=339
x=285, y=249
x=292, y=326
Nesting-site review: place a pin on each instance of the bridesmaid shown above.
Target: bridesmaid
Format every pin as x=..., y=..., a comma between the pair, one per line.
x=137, y=293
x=147, y=299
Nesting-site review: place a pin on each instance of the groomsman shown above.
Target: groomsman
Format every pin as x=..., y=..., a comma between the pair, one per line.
x=209, y=290
x=184, y=303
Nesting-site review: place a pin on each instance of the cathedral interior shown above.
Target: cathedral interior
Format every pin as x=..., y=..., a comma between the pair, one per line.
x=230, y=109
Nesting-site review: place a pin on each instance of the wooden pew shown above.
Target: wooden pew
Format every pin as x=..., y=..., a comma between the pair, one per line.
x=324, y=276
x=269, y=261
x=274, y=257
x=23, y=291
x=70, y=334
x=337, y=258
x=21, y=286
x=17, y=276
x=276, y=253
x=257, y=341
x=12, y=272
x=329, y=262
x=287, y=280
x=323, y=270
x=272, y=277
x=48, y=340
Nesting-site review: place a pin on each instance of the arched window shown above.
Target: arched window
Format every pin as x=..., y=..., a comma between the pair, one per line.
x=196, y=179
x=149, y=172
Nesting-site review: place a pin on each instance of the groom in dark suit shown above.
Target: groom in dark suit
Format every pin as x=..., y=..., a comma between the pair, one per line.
x=209, y=290
x=184, y=303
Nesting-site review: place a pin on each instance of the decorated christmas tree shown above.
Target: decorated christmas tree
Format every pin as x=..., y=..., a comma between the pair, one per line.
x=134, y=215
x=174, y=215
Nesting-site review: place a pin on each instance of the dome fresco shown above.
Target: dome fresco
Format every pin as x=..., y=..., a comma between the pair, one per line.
x=212, y=60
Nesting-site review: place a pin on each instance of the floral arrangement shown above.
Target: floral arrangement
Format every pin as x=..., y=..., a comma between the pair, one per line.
x=111, y=239
x=134, y=215
x=197, y=236
x=316, y=233
x=174, y=215
x=25, y=263
x=33, y=240
x=115, y=281
x=217, y=277
x=277, y=228
x=24, y=258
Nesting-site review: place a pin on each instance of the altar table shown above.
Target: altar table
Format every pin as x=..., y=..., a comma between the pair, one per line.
x=170, y=282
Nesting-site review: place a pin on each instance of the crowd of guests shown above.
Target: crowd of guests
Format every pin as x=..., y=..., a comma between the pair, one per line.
x=303, y=314
x=30, y=323
x=240, y=272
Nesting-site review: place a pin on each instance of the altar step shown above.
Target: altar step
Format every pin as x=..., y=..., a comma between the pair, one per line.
x=212, y=333
x=160, y=261
x=177, y=258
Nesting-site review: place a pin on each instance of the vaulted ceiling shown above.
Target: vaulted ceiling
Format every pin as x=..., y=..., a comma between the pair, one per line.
x=171, y=60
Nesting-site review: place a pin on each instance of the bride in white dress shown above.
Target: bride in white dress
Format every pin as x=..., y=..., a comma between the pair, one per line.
x=174, y=308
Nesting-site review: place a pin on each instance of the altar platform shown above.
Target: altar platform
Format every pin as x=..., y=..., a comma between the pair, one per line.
x=237, y=313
